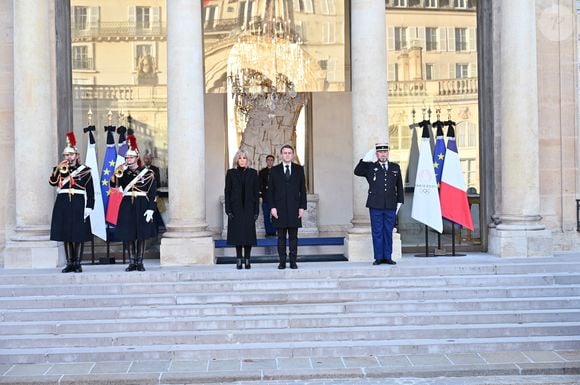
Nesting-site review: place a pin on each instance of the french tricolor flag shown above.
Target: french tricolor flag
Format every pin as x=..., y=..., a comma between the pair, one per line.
x=454, y=204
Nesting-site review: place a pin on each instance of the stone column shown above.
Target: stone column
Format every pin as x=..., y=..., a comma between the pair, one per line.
x=34, y=137
x=369, y=112
x=187, y=240
x=519, y=231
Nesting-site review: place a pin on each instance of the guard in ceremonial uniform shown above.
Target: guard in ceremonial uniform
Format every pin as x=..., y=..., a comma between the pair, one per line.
x=75, y=201
x=135, y=221
x=385, y=197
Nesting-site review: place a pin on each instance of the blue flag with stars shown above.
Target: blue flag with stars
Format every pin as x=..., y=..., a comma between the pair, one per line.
x=108, y=165
x=439, y=152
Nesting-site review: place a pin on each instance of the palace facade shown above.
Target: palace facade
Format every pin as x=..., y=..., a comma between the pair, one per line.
x=197, y=80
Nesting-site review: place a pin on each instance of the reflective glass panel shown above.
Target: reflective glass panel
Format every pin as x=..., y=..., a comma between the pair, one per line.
x=119, y=72
x=432, y=75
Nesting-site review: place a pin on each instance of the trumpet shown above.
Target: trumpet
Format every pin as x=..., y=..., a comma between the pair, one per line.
x=63, y=167
x=120, y=170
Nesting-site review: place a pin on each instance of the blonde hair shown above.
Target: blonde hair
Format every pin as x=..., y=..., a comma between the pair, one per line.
x=237, y=156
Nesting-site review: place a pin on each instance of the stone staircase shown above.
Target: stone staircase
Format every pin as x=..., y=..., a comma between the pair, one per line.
x=441, y=305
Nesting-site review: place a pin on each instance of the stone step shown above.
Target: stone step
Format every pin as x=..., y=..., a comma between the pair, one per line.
x=291, y=335
x=286, y=349
x=288, y=310
x=90, y=289
x=94, y=274
x=333, y=309
x=246, y=322
x=286, y=297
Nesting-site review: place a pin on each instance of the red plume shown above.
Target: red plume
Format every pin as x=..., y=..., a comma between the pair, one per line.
x=72, y=141
x=132, y=142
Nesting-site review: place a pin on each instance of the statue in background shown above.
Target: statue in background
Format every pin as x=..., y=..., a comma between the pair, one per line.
x=267, y=130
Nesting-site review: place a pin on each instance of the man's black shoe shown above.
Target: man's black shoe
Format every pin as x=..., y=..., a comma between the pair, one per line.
x=282, y=266
x=293, y=265
x=390, y=262
x=377, y=262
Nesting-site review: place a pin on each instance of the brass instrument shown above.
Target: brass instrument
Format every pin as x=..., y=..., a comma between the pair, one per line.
x=63, y=168
x=120, y=170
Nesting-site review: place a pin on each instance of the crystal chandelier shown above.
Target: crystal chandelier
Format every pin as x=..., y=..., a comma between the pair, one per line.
x=266, y=67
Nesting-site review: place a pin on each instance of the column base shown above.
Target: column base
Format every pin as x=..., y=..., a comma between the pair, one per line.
x=358, y=246
x=184, y=249
x=34, y=255
x=508, y=241
x=30, y=248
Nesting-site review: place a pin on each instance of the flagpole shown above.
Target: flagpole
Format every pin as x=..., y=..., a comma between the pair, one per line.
x=426, y=241
x=452, y=239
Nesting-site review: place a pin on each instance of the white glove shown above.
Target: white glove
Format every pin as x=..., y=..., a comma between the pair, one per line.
x=370, y=156
x=148, y=216
x=398, y=207
x=88, y=212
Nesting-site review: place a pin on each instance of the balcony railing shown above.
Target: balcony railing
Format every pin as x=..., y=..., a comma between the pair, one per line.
x=444, y=87
x=465, y=86
x=106, y=30
x=120, y=92
x=221, y=25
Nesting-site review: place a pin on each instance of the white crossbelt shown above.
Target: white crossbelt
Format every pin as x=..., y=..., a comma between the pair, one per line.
x=135, y=194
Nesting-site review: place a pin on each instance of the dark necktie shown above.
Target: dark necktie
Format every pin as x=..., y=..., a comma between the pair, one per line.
x=384, y=168
x=287, y=172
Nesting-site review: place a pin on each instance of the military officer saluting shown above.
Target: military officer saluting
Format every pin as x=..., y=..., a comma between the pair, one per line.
x=135, y=219
x=385, y=197
x=74, y=202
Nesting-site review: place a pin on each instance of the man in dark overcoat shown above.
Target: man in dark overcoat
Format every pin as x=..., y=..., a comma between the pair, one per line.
x=264, y=176
x=385, y=197
x=287, y=197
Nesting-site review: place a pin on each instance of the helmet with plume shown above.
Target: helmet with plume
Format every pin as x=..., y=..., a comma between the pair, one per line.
x=71, y=144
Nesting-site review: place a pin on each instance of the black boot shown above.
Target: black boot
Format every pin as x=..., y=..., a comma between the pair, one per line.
x=78, y=249
x=247, y=252
x=282, y=264
x=131, y=252
x=69, y=268
x=293, y=264
x=239, y=258
x=140, y=255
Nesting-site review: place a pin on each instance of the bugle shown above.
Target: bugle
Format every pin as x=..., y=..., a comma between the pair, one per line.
x=120, y=170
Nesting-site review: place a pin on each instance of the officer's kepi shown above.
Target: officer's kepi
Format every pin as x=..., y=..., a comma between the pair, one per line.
x=381, y=147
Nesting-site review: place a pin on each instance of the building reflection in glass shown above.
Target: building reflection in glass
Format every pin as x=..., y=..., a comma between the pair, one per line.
x=266, y=55
x=119, y=65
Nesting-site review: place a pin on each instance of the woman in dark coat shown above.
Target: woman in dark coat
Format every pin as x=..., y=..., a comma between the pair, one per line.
x=242, y=207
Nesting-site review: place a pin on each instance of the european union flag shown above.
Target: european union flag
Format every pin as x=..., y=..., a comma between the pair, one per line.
x=439, y=152
x=108, y=165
